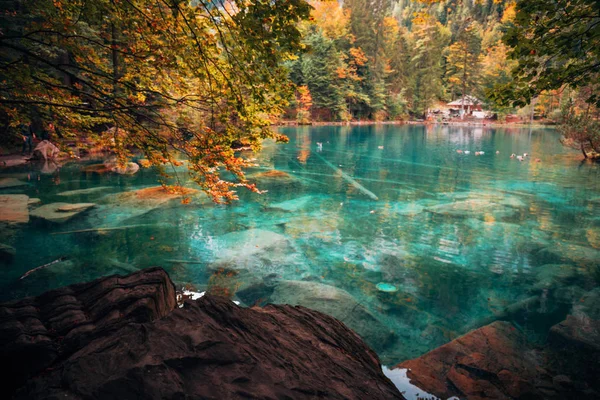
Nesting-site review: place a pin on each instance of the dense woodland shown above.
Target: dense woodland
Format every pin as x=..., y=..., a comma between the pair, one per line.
x=193, y=80
x=388, y=60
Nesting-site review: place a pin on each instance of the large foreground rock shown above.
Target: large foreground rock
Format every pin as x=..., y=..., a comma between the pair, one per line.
x=37, y=332
x=103, y=340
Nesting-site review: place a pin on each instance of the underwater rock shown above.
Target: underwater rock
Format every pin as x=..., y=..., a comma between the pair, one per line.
x=569, y=252
x=33, y=201
x=37, y=331
x=95, y=169
x=575, y=342
x=335, y=302
x=13, y=208
x=408, y=209
x=7, y=253
x=147, y=198
x=294, y=204
x=6, y=183
x=493, y=362
x=82, y=192
x=274, y=177
x=551, y=275
x=145, y=347
x=235, y=247
x=473, y=208
x=60, y=212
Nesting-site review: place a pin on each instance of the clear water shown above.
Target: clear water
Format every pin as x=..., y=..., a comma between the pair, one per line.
x=421, y=272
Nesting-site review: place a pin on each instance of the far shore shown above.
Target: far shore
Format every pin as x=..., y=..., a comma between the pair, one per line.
x=470, y=123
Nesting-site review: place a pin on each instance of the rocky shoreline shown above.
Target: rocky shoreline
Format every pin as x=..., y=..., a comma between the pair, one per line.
x=127, y=337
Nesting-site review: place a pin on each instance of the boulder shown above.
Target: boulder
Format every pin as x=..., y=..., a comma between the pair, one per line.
x=35, y=332
x=85, y=192
x=494, y=362
x=335, y=302
x=490, y=362
x=7, y=253
x=13, y=208
x=46, y=150
x=60, y=212
x=145, y=347
x=6, y=183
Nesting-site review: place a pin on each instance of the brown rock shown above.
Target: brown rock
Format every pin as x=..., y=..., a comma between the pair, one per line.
x=60, y=212
x=37, y=331
x=209, y=349
x=10, y=183
x=491, y=362
x=13, y=208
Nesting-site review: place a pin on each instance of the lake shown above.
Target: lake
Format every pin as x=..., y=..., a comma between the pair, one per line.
x=389, y=228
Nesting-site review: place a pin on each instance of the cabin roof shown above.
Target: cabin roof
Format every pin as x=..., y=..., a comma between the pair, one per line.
x=469, y=101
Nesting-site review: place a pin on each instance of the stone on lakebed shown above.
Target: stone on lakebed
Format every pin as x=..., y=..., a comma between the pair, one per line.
x=14, y=209
x=60, y=212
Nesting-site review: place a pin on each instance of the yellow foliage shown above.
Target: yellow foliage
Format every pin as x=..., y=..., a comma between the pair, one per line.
x=331, y=18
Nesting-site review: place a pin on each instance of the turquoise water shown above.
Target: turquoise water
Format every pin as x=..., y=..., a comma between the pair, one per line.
x=425, y=243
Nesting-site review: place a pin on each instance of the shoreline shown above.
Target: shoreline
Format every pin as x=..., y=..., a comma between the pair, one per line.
x=475, y=124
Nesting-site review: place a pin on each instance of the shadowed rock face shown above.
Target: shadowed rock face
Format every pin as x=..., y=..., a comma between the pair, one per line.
x=37, y=332
x=134, y=343
x=497, y=362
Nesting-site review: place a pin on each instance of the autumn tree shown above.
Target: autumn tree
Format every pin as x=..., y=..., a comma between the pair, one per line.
x=169, y=78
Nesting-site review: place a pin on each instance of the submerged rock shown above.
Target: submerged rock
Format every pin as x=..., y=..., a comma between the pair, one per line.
x=569, y=252
x=6, y=183
x=7, y=253
x=60, y=212
x=147, y=198
x=13, y=208
x=95, y=169
x=274, y=178
x=83, y=192
x=551, y=275
x=294, y=204
x=33, y=201
x=474, y=208
x=122, y=337
x=335, y=302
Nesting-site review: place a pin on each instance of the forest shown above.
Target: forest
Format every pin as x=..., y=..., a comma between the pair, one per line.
x=197, y=80
x=388, y=60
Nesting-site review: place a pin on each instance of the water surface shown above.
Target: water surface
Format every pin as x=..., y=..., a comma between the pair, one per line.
x=427, y=241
